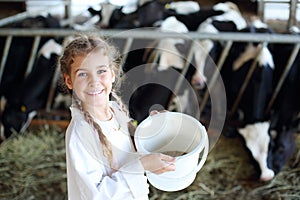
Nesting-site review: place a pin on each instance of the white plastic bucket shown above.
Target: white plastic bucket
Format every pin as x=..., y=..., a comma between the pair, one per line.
x=173, y=132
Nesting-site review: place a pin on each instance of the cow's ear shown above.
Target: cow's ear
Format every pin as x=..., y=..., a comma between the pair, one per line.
x=68, y=81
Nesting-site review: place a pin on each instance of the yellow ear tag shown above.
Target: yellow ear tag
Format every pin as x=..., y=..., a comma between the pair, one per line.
x=23, y=108
x=167, y=6
x=135, y=123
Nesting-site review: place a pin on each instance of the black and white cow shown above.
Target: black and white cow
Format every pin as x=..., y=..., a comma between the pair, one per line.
x=236, y=68
x=19, y=52
x=254, y=123
x=192, y=18
x=151, y=13
x=255, y=128
x=231, y=20
x=278, y=133
x=26, y=93
x=32, y=95
x=152, y=82
x=108, y=14
x=286, y=108
x=144, y=14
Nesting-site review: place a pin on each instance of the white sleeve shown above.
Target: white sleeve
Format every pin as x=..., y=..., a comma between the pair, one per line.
x=88, y=176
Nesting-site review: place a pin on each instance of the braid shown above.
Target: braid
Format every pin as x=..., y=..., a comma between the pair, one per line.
x=107, y=151
x=119, y=102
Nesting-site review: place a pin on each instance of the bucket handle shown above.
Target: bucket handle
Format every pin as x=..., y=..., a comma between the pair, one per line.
x=204, y=156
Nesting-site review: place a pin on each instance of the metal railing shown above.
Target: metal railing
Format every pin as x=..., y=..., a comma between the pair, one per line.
x=130, y=35
x=293, y=6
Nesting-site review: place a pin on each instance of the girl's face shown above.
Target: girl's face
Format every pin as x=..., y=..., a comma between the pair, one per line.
x=91, y=78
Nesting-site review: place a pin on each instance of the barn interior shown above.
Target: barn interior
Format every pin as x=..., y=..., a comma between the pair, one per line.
x=33, y=159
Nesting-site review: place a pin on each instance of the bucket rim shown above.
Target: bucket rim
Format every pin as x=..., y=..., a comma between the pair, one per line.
x=199, y=147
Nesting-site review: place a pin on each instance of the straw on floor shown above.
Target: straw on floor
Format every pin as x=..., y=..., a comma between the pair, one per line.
x=32, y=166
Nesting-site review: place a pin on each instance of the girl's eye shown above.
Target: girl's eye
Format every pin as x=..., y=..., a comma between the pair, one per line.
x=82, y=74
x=100, y=71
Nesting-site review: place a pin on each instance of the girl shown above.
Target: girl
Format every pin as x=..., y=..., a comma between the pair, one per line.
x=101, y=160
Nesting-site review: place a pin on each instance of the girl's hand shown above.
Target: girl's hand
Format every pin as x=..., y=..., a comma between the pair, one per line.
x=158, y=163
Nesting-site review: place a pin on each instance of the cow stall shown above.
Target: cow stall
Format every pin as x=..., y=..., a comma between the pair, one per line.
x=227, y=38
x=129, y=36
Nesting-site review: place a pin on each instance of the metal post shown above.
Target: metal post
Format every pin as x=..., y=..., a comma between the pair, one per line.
x=261, y=10
x=292, y=16
x=5, y=54
x=184, y=71
x=33, y=54
x=126, y=48
x=52, y=88
x=283, y=76
x=216, y=73
x=68, y=12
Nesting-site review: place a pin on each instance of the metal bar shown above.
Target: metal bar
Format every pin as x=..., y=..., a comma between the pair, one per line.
x=247, y=79
x=292, y=16
x=26, y=14
x=143, y=34
x=5, y=54
x=282, y=1
x=215, y=74
x=249, y=37
x=68, y=12
x=283, y=76
x=126, y=48
x=52, y=88
x=33, y=53
x=183, y=72
x=261, y=10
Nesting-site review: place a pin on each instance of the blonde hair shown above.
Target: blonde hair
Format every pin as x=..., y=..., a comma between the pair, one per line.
x=82, y=45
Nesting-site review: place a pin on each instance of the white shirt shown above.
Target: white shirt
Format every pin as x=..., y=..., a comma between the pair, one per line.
x=89, y=176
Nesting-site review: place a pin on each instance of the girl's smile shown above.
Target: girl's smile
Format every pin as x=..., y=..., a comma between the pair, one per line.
x=94, y=93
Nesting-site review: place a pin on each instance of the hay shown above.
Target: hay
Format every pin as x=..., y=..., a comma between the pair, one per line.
x=229, y=173
x=32, y=166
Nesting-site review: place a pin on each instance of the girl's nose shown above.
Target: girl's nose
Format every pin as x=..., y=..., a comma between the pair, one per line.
x=94, y=81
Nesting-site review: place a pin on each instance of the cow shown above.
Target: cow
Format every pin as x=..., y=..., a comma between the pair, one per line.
x=18, y=56
x=230, y=20
x=192, y=20
x=107, y=14
x=32, y=88
x=257, y=141
x=183, y=7
x=254, y=124
x=236, y=67
x=152, y=82
x=286, y=107
x=144, y=14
